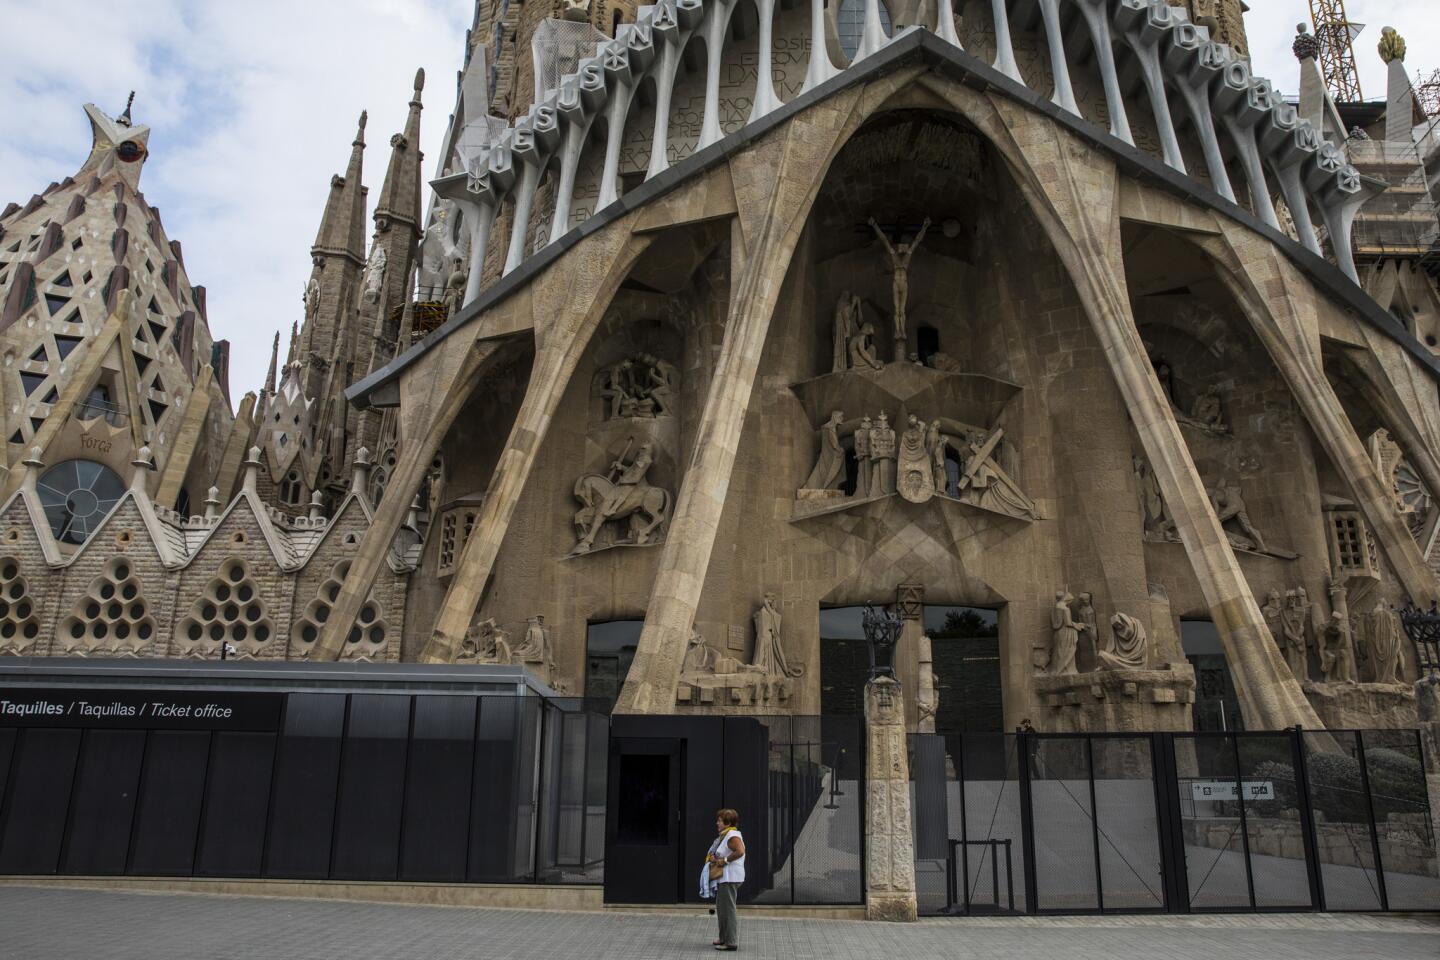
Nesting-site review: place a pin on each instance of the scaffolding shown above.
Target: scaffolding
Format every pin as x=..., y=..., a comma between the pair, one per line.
x=1337, y=49
x=1427, y=92
x=557, y=47
x=1402, y=222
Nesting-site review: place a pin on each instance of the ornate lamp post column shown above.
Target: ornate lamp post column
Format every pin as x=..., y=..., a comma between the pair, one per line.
x=889, y=843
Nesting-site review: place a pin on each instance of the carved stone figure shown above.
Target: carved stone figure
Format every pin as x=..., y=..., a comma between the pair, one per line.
x=862, y=346
x=1206, y=410
x=1229, y=505
x=984, y=484
x=864, y=468
x=944, y=363
x=699, y=658
x=1337, y=651
x=535, y=648
x=454, y=296
x=1127, y=646
x=1064, y=636
x=624, y=494
x=847, y=327
x=882, y=456
x=485, y=642
x=1293, y=619
x=662, y=383
x=312, y=299
x=829, y=469
x=374, y=278
x=1382, y=635
x=900, y=255
x=769, y=654
x=1271, y=610
x=1085, y=621
x=615, y=391
x=914, y=478
x=936, y=443
x=1152, y=505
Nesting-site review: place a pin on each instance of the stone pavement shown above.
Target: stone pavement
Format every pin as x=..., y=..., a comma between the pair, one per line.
x=41, y=924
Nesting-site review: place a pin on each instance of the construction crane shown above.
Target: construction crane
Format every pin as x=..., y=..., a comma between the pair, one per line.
x=1337, y=49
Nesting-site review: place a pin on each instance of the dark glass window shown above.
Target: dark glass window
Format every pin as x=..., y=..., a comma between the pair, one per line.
x=76, y=496
x=609, y=649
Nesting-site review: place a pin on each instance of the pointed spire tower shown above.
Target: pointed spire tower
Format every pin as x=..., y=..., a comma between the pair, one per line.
x=389, y=273
x=339, y=257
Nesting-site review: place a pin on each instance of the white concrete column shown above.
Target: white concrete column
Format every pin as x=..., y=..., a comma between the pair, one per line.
x=717, y=24
x=1064, y=96
x=1097, y=19
x=819, y=68
x=765, y=98
x=1004, y=48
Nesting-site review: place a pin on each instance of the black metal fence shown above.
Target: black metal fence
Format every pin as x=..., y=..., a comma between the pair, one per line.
x=814, y=815
x=1173, y=822
x=341, y=786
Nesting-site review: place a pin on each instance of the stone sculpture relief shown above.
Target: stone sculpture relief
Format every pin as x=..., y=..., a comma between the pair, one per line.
x=485, y=642
x=1206, y=413
x=1086, y=623
x=374, y=279
x=769, y=655
x=829, y=472
x=312, y=299
x=643, y=386
x=882, y=457
x=1294, y=618
x=1337, y=650
x=864, y=465
x=915, y=468
x=622, y=494
x=1383, y=646
x=1064, y=636
x=1230, y=509
x=1158, y=524
x=709, y=678
x=454, y=296
x=900, y=255
x=535, y=648
x=1128, y=646
x=984, y=484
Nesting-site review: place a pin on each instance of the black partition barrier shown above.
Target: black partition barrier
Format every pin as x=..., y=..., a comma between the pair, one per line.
x=1180, y=823
x=416, y=784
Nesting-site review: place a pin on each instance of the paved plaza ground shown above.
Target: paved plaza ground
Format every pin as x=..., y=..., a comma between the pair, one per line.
x=41, y=924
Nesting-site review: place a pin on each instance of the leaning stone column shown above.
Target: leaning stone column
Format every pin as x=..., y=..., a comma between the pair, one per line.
x=1074, y=194
x=889, y=843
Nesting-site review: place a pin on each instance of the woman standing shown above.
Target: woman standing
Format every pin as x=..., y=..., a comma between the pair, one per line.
x=727, y=857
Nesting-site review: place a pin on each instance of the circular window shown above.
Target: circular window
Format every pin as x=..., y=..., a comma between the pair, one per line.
x=129, y=151
x=77, y=495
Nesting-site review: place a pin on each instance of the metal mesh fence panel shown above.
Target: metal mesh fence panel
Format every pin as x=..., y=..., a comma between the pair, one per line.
x=1403, y=825
x=1214, y=839
x=557, y=47
x=1063, y=812
x=1342, y=821
x=1127, y=824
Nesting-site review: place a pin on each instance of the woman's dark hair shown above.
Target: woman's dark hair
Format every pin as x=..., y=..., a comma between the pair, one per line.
x=728, y=817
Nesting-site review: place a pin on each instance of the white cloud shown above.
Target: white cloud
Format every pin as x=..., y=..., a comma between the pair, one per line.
x=252, y=108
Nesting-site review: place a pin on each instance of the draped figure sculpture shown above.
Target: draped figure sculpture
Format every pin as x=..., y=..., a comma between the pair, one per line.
x=829, y=469
x=769, y=655
x=1126, y=648
x=1064, y=636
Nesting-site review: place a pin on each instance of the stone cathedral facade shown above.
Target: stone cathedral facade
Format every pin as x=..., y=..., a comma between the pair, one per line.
x=1040, y=323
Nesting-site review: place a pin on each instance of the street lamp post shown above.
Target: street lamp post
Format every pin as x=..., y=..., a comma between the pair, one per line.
x=1423, y=629
x=882, y=633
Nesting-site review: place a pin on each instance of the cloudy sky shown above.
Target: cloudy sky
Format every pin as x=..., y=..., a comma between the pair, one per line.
x=253, y=105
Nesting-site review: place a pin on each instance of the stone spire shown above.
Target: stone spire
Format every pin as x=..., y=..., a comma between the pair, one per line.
x=400, y=194
x=342, y=228
x=338, y=257
x=274, y=363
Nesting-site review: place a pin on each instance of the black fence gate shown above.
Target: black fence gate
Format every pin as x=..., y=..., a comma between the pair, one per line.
x=1173, y=822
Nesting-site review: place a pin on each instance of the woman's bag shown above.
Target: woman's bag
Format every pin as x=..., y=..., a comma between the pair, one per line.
x=717, y=870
